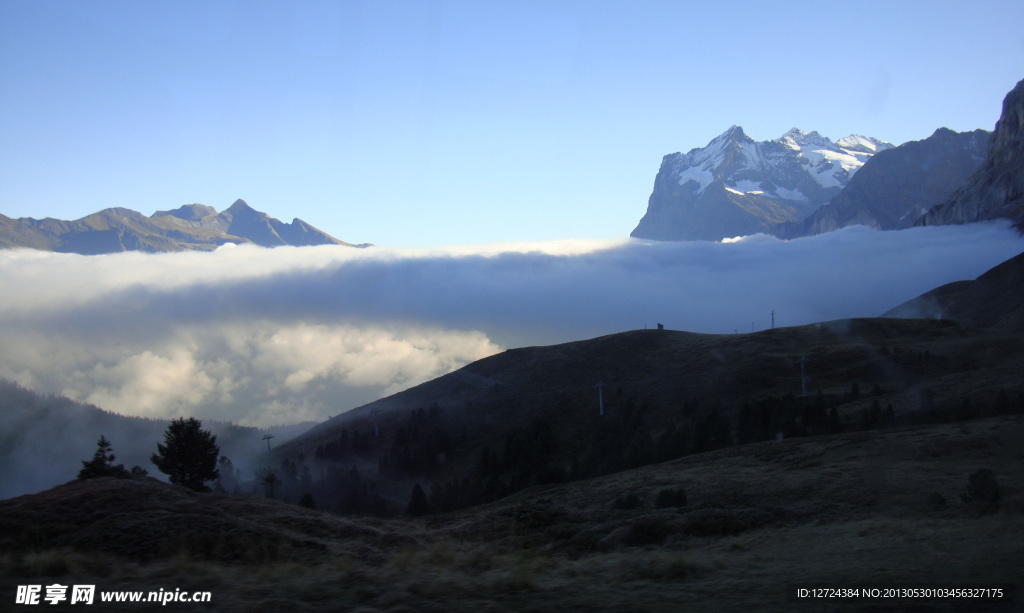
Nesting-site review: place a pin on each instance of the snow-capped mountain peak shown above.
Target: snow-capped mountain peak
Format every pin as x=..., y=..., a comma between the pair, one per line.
x=863, y=144
x=771, y=181
x=798, y=139
x=733, y=157
x=733, y=134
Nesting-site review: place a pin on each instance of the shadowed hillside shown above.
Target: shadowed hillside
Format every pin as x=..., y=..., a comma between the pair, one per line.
x=531, y=416
x=866, y=508
x=993, y=300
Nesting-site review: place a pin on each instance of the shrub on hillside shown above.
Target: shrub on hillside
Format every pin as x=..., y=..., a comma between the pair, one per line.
x=628, y=502
x=671, y=497
x=983, y=491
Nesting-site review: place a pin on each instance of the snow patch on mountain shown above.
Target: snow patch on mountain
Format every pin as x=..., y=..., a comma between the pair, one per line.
x=746, y=186
x=863, y=144
x=732, y=157
x=790, y=194
x=703, y=177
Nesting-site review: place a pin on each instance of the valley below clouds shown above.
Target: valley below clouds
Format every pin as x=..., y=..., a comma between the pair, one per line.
x=270, y=336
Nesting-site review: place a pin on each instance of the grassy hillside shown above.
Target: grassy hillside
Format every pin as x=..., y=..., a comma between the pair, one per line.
x=531, y=416
x=865, y=508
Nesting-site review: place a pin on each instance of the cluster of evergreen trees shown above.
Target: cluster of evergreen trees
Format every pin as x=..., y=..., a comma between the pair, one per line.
x=420, y=446
x=335, y=487
x=188, y=456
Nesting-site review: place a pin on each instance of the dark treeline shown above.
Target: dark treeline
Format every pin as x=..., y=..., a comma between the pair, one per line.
x=623, y=439
x=329, y=486
x=627, y=436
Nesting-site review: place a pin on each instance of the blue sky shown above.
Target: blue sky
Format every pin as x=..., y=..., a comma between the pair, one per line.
x=418, y=124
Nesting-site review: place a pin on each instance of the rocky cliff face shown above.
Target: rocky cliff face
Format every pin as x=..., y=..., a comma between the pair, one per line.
x=996, y=190
x=897, y=186
x=736, y=186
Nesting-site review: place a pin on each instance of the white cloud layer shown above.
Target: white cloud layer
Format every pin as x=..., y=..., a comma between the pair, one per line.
x=262, y=336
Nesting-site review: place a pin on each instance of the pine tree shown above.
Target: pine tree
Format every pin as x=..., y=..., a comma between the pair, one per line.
x=188, y=455
x=270, y=482
x=102, y=463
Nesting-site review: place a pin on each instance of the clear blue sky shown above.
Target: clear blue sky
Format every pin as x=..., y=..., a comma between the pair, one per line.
x=415, y=124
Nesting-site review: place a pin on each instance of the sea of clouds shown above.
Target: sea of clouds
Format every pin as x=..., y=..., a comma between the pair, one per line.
x=269, y=336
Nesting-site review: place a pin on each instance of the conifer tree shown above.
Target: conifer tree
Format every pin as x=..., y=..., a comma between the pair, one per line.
x=188, y=455
x=102, y=463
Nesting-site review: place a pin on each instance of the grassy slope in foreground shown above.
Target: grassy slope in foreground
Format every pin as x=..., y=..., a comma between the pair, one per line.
x=856, y=508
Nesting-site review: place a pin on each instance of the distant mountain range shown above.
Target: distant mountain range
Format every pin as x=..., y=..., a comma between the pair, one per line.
x=802, y=183
x=190, y=227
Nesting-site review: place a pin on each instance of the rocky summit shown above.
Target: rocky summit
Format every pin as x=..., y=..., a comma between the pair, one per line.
x=736, y=186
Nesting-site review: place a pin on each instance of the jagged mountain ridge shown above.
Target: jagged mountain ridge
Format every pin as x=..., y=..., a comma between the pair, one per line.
x=996, y=190
x=190, y=227
x=736, y=185
x=894, y=188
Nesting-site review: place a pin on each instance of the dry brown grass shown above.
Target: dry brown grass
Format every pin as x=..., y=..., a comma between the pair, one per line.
x=851, y=508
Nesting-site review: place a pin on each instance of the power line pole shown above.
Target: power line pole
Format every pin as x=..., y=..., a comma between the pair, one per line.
x=376, y=426
x=267, y=438
x=803, y=378
x=600, y=396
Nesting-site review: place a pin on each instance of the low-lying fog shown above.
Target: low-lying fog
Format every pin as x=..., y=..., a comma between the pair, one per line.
x=269, y=336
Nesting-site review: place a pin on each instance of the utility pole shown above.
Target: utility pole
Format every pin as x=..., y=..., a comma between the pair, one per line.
x=267, y=438
x=803, y=378
x=376, y=426
x=600, y=396
x=773, y=319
